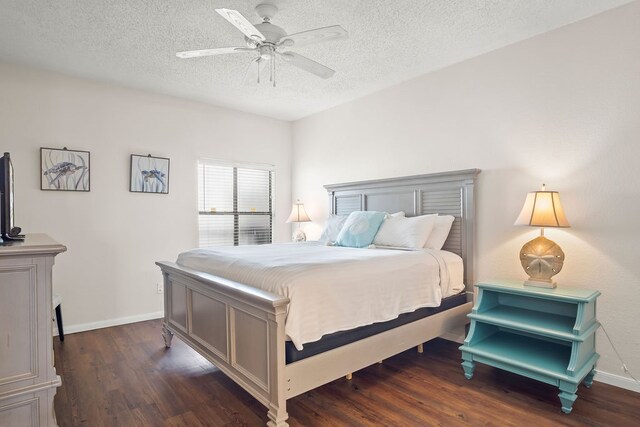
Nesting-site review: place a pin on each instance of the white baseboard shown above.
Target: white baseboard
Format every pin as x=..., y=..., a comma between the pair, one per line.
x=617, y=381
x=108, y=323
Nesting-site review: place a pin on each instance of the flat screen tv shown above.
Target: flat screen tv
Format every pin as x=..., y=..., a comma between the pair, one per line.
x=8, y=229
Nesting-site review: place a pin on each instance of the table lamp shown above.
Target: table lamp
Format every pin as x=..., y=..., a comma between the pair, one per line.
x=542, y=258
x=298, y=214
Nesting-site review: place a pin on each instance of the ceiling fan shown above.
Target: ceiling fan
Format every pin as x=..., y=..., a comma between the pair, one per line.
x=269, y=41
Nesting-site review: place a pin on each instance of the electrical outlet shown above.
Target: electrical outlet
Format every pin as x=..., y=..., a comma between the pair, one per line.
x=160, y=288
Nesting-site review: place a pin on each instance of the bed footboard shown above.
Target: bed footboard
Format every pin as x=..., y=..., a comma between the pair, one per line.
x=238, y=328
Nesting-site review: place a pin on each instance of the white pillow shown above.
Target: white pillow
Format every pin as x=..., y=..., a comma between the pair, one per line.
x=332, y=228
x=405, y=232
x=440, y=232
x=400, y=214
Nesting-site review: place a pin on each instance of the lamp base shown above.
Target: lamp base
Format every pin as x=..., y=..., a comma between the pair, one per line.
x=541, y=259
x=299, y=236
x=540, y=284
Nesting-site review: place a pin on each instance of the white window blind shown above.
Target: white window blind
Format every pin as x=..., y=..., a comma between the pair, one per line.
x=234, y=204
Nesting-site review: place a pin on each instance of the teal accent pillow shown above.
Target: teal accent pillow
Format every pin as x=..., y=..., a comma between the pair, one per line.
x=360, y=229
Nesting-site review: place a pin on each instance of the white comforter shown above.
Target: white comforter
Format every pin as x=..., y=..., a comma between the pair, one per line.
x=335, y=288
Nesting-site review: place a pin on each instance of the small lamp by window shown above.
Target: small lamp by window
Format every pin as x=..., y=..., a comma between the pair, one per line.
x=542, y=258
x=298, y=214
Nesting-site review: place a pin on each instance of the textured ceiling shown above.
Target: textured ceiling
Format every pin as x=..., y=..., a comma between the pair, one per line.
x=133, y=43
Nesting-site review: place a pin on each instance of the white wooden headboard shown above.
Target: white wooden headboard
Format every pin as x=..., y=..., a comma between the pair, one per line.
x=447, y=193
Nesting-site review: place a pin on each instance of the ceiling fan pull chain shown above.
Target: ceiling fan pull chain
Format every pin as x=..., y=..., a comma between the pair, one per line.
x=274, y=70
x=258, y=65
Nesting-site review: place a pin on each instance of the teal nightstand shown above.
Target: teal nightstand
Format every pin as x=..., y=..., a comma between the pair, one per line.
x=544, y=334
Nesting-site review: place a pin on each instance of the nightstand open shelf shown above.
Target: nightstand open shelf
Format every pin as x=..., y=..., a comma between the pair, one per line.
x=519, y=351
x=544, y=334
x=549, y=324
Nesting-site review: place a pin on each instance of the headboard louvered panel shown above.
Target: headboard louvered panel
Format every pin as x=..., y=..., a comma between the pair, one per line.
x=446, y=193
x=344, y=205
x=446, y=202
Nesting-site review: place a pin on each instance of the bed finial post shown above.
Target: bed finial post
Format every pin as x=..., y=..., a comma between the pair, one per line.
x=280, y=385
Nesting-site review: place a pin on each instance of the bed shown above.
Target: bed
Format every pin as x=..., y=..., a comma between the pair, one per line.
x=242, y=329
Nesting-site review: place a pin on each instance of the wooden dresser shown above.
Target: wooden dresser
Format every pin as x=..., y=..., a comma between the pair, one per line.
x=28, y=379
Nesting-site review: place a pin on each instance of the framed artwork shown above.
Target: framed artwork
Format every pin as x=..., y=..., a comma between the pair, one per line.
x=64, y=170
x=149, y=174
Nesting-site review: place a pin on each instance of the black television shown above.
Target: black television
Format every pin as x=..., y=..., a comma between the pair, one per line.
x=8, y=230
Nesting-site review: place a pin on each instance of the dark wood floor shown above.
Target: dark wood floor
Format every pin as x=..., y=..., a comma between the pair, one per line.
x=123, y=376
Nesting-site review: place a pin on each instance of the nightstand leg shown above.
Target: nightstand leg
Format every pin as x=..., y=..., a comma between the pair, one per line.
x=588, y=380
x=567, y=396
x=468, y=367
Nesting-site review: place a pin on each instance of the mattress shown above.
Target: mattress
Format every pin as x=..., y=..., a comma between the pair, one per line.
x=338, y=339
x=334, y=289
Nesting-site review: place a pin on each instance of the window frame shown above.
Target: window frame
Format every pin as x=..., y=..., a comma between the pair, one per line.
x=234, y=212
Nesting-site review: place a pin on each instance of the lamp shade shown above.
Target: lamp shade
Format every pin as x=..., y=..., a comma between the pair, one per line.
x=298, y=214
x=542, y=209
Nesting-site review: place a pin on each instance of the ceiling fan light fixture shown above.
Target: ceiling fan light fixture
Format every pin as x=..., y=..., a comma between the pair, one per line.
x=266, y=51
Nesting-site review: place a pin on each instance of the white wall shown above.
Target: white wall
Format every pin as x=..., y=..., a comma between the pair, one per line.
x=562, y=108
x=113, y=236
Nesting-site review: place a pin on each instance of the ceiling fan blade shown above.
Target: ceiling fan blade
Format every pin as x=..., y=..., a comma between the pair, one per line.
x=335, y=32
x=256, y=72
x=209, y=52
x=241, y=23
x=307, y=64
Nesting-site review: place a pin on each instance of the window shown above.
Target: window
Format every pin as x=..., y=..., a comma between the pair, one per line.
x=235, y=204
